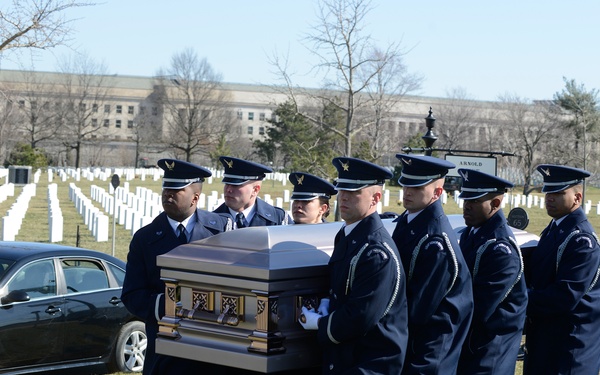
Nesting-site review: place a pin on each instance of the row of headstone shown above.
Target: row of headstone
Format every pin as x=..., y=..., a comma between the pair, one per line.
x=93, y=218
x=11, y=223
x=7, y=190
x=55, y=217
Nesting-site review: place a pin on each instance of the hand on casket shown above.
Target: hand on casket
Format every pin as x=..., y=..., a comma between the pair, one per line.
x=309, y=319
x=324, y=307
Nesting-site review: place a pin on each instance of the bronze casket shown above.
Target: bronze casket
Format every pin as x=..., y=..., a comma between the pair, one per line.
x=234, y=299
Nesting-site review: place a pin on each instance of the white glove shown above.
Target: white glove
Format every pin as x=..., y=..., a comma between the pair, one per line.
x=324, y=307
x=309, y=319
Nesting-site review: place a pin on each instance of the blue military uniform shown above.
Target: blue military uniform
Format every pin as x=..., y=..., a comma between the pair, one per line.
x=563, y=314
x=239, y=172
x=499, y=290
x=439, y=288
x=366, y=330
x=143, y=290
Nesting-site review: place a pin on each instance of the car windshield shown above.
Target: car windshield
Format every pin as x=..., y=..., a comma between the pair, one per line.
x=4, y=265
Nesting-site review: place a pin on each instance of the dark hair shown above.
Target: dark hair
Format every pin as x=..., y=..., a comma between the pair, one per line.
x=324, y=200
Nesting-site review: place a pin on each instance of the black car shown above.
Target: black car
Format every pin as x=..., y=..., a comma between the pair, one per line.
x=60, y=308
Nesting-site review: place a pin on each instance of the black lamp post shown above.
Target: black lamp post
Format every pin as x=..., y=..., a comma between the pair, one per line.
x=429, y=137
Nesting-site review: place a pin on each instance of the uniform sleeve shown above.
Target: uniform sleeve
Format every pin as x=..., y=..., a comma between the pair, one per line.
x=137, y=295
x=499, y=268
x=375, y=285
x=433, y=274
x=576, y=273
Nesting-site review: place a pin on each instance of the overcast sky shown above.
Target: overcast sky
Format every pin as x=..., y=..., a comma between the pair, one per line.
x=485, y=48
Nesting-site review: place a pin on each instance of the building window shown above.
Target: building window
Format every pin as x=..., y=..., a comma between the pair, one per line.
x=251, y=116
x=261, y=116
x=240, y=115
x=95, y=122
x=130, y=110
x=95, y=108
x=106, y=123
x=155, y=111
x=21, y=103
x=250, y=130
x=142, y=110
x=33, y=105
x=273, y=117
x=261, y=130
x=107, y=108
x=130, y=124
x=119, y=109
x=118, y=123
x=82, y=107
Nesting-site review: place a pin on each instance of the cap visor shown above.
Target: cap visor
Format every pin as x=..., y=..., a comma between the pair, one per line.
x=302, y=197
x=349, y=187
x=175, y=185
x=466, y=195
x=554, y=189
x=409, y=182
x=234, y=181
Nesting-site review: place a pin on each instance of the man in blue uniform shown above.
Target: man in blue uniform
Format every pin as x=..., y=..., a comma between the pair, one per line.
x=563, y=314
x=181, y=222
x=243, y=180
x=362, y=328
x=496, y=266
x=310, y=198
x=438, y=286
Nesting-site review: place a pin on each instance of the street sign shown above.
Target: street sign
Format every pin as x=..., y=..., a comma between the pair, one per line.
x=482, y=164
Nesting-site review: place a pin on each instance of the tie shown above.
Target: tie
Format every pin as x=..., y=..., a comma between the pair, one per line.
x=240, y=220
x=340, y=235
x=181, y=234
x=552, y=227
x=403, y=220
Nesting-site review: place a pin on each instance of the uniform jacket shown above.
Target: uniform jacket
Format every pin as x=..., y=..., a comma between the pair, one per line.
x=563, y=314
x=500, y=297
x=142, y=284
x=366, y=330
x=265, y=214
x=439, y=292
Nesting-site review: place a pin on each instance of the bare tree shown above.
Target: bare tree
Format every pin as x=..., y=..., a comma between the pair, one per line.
x=532, y=127
x=82, y=108
x=8, y=116
x=386, y=88
x=457, y=121
x=146, y=133
x=36, y=120
x=194, y=105
x=356, y=74
x=38, y=24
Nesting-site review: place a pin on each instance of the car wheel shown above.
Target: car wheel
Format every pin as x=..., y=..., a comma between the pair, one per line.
x=130, y=351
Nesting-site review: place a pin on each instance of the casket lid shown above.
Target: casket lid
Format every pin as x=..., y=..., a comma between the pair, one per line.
x=273, y=252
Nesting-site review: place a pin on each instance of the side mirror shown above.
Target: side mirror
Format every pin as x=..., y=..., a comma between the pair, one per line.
x=15, y=296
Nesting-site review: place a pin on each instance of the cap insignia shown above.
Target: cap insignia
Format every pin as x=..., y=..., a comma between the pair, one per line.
x=229, y=163
x=545, y=171
x=299, y=179
x=465, y=175
x=407, y=161
x=170, y=166
x=345, y=166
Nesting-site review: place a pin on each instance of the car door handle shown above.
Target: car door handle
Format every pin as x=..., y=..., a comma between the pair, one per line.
x=115, y=301
x=52, y=310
